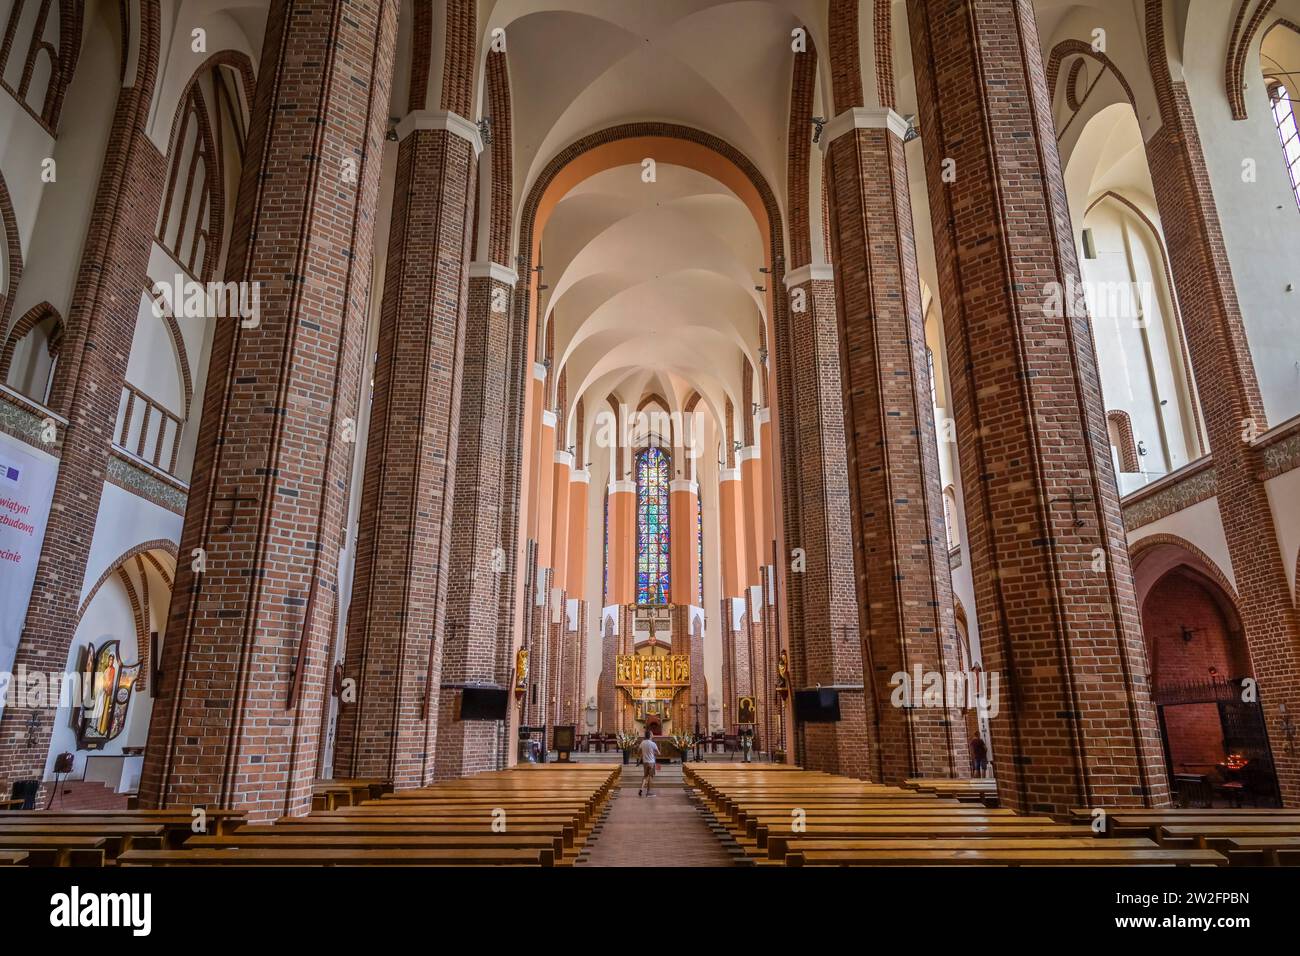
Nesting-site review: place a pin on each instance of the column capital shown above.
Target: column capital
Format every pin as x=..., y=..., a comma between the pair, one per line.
x=863, y=117
x=539, y=371
x=810, y=273
x=440, y=119
x=682, y=484
x=747, y=453
x=548, y=418
x=580, y=476
x=493, y=270
x=564, y=458
x=622, y=487
x=728, y=474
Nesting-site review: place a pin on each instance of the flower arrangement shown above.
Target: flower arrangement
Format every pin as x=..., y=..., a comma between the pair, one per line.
x=683, y=743
x=627, y=741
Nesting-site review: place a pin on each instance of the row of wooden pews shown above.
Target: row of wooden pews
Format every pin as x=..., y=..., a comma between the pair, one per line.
x=784, y=815
x=533, y=815
x=1246, y=836
x=98, y=837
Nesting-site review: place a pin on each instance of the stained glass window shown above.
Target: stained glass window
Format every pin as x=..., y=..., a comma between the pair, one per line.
x=652, y=527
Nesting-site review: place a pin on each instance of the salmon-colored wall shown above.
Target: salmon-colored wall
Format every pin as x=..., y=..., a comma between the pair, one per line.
x=579, y=485
x=622, y=542
x=730, y=537
x=684, y=564
x=750, y=480
x=563, y=467
x=767, y=511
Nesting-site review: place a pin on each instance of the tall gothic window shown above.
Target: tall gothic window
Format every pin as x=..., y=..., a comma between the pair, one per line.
x=1285, y=118
x=652, y=527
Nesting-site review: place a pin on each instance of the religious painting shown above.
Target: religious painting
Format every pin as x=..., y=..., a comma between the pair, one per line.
x=652, y=479
x=107, y=683
x=746, y=713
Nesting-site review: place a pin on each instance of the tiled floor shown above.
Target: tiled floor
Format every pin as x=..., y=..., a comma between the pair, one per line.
x=661, y=830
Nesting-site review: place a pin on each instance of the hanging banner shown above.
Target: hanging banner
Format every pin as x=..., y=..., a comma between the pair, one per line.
x=26, y=487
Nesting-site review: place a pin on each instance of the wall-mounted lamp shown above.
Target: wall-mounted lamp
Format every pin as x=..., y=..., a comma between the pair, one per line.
x=1187, y=634
x=819, y=124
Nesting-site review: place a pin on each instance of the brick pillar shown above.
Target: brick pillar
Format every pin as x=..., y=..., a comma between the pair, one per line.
x=607, y=694
x=477, y=649
x=398, y=618
x=537, y=634
x=622, y=542
x=1053, y=587
x=237, y=719
x=1230, y=398
x=728, y=666
x=87, y=390
x=895, y=493
x=557, y=629
x=699, y=689
x=828, y=650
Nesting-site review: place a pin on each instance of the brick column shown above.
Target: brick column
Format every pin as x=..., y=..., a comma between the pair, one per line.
x=607, y=694
x=477, y=648
x=87, y=390
x=398, y=618
x=728, y=665
x=1230, y=399
x=829, y=651
x=1053, y=588
x=622, y=542
x=895, y=492
x=237, y=719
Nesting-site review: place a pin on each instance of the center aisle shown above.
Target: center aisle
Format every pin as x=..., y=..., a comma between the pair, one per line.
x=665, y=829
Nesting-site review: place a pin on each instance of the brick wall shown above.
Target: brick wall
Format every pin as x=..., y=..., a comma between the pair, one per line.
x=86, y=390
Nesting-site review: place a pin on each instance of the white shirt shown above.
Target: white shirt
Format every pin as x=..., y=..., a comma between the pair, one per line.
x=649, y=750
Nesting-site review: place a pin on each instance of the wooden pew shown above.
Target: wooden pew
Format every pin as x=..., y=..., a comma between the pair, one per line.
x=1270, y=851
x=218, y=820
x=295, y=839
x=13, y=858
x=290, y=856
x=57, y=850
x=777, y=844
x=118, y=836
x=923, y=853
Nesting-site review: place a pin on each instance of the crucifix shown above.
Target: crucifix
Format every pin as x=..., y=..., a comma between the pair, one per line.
x=1074, y=499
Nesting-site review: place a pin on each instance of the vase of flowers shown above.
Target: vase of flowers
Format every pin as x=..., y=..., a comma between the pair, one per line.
x=625, y=743
x=683, y=743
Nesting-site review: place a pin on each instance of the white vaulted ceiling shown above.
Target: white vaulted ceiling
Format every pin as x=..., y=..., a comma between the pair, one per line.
x=653, y=277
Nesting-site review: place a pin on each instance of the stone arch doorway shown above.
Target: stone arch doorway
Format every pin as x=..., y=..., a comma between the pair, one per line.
x=1207, y=700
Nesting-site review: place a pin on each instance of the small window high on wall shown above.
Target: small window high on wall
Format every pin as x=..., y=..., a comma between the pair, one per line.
x=1285, y=118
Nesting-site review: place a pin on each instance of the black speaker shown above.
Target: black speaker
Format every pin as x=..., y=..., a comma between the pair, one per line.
x=484, y=703
x=63, y=763
x=819, y=705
